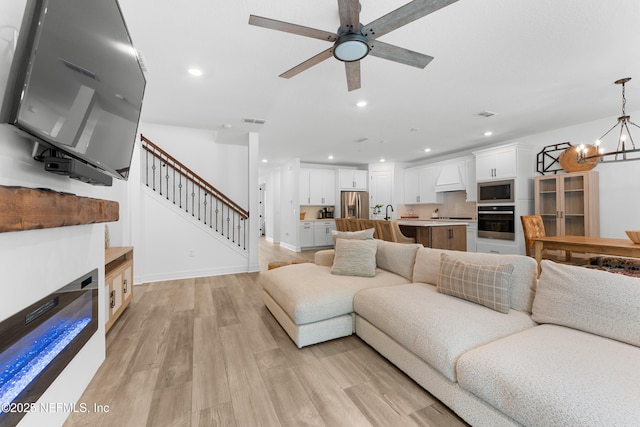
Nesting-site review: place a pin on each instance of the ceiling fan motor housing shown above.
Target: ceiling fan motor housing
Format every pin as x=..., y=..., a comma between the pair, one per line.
x=351, y=47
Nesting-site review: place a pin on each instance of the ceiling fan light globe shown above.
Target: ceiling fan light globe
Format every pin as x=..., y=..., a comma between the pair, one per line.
x=351, y=47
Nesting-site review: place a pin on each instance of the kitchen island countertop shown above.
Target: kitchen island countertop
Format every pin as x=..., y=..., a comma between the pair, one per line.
x=433, y=222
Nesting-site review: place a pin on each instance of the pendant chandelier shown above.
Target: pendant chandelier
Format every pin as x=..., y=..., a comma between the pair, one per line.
x=626, y=149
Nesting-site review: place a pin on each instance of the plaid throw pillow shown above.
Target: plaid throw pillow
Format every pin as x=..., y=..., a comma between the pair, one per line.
x=487, y=285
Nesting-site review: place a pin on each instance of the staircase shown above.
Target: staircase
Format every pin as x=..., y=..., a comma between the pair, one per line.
x=196, y=197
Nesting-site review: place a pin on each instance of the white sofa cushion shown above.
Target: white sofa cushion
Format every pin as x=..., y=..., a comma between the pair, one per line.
x=310, y=293
x=353, y=235
x=355, y=258
x=398, y=258
x=435, y=327
x=523, y=278
x=486, y=285
x=555, y=376
x=593, y=301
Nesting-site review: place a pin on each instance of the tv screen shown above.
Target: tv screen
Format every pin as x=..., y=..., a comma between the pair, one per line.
x=76, y=83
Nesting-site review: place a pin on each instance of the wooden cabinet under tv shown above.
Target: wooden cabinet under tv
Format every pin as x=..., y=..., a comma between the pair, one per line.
x=118, y=272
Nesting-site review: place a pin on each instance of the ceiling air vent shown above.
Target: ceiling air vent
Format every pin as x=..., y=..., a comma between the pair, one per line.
x=485, y=114
x=253, y=121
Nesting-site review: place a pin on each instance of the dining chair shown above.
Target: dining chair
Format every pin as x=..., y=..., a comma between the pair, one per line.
x=366, y=224
x=341, y=224
x=397, y=234
x=352, y=224
x=532, y=227
x=384, y=230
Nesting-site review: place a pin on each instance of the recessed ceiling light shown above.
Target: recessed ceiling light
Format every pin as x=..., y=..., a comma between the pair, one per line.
x=488, y=133
x=426, y=150
x=382, y=160
x=361, y=104
x=330, y=157
x=264, y=160
x=195, y=72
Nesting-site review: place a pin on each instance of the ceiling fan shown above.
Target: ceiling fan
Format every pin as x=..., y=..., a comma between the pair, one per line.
x=353, y=41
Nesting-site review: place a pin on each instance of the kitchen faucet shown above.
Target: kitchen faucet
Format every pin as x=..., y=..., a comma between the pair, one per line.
x=386, y=211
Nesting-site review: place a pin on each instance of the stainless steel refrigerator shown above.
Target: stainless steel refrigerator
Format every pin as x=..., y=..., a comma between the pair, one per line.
x=354, y=204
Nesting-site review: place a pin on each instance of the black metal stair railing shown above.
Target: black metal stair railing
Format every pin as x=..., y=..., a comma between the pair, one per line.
x=188, y=191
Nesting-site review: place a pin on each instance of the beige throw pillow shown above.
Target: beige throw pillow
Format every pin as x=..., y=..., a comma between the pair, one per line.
x=487, y=285
x=355, y=258
x=356, y=235
x=593, y=301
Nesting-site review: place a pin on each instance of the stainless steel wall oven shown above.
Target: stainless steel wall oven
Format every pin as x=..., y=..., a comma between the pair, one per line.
x=497, y=222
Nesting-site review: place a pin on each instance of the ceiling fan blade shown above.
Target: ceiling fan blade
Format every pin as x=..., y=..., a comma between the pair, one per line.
x=353, y=75
x=399, y=54
x=349, y=14
x=402, y=16
x=308, y=63
x=287, y=27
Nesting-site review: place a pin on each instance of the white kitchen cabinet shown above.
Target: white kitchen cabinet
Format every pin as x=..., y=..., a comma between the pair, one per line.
x=322, y=233
x=322, y=187
x=305, y=196
x=420, y=185
x=490, y=246
x=428, y=177
x=472, y=236
x=470, y=180
x=306, y=234
x=380, y=189
x=352, y=180
x=412, y=186
x=317, y=187
x=499, y=163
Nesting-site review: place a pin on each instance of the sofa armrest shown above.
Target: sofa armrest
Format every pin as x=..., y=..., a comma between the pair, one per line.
x=324, y=257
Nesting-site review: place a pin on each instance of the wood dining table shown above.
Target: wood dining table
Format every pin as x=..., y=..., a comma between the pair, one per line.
x=592, y=245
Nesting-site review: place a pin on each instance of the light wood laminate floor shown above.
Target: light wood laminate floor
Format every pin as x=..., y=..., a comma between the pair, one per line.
x=207, y=352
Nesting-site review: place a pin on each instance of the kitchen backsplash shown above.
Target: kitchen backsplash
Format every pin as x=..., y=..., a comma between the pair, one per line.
x=454, y=205
x=311, y=212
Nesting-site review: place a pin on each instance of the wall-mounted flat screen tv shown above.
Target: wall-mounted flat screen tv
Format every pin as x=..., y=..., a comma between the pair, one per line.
x=76, y=83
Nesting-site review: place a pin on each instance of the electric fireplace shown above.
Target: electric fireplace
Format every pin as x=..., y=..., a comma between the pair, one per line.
x=37, y=343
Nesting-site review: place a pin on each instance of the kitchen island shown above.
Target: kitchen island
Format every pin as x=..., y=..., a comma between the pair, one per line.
x=437, y=234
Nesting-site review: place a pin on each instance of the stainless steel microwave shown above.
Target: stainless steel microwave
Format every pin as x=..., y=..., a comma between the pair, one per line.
x=496, y=191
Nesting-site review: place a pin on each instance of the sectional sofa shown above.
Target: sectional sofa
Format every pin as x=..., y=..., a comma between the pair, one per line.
x=478, y=331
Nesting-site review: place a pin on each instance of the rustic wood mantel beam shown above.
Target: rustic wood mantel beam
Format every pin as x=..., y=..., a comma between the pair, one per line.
x=24, y=208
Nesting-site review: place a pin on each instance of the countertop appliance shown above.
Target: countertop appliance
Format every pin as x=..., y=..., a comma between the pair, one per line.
x=354, y=204
x=325, y=213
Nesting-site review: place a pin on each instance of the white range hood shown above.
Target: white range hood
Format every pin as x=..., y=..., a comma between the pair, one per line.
x=450, y=179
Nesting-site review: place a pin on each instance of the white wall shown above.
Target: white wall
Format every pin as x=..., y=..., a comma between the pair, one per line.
x=35, y=263
x=290, y=205
x=225, y=166
x=175, y=246
x=272, y=205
